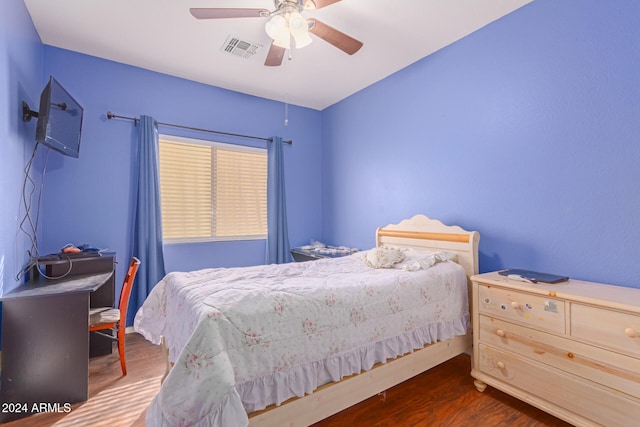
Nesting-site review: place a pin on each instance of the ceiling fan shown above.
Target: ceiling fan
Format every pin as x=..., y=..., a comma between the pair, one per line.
x=285, y=23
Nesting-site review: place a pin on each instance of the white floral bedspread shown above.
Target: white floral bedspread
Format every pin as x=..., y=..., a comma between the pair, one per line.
x=245, y=338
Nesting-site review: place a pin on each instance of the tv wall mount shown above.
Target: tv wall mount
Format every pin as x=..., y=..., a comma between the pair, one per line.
x=27, y=113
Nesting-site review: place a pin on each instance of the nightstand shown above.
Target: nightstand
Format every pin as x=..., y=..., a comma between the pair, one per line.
x=572, y=348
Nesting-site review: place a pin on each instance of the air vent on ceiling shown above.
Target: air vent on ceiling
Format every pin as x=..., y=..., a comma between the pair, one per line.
x=240, y=48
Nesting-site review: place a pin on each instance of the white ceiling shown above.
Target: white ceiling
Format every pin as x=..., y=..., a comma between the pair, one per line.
x=161, y=35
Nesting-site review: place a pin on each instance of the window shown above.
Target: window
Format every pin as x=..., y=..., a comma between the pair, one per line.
x=212, y=191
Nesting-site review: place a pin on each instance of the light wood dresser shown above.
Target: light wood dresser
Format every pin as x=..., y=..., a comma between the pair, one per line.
x=571, y=349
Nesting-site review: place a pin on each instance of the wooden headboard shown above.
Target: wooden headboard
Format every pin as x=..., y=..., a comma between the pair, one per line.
x=424, y=233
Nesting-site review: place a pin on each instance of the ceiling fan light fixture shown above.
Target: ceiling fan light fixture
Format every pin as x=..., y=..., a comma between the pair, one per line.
x=302, y=40
x=299, y=29
x=283, y=41
x=278, y=29
x=275, y=26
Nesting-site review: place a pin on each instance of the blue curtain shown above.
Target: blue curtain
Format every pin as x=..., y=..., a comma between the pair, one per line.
x=147, y=227
x=277, y=234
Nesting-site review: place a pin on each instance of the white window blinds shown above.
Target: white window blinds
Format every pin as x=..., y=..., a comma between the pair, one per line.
x=212, y=191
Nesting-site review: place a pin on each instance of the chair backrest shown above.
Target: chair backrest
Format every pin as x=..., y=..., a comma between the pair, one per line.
x=127, y=286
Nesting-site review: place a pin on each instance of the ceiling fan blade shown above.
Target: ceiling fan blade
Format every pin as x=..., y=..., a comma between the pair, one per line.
x=337, y=38
x=318, y=4
x=223, y=13
x=275, y=55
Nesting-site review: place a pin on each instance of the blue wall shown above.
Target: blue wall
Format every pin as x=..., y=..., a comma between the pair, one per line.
x=89, y=199
x=20, y=80
x=527, y=130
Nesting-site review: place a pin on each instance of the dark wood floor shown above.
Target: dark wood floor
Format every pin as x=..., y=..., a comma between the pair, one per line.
x=443, y=396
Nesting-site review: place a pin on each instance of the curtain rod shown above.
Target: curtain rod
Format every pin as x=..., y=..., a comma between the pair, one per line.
x=110, y=116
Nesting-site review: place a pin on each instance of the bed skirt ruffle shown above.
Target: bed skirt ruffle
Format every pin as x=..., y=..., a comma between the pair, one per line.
x=296, y=382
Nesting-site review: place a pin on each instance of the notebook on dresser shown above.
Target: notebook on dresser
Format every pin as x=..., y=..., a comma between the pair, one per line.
x=534, y=276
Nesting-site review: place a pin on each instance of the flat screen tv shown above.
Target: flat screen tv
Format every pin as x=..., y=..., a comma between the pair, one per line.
x=59, y=120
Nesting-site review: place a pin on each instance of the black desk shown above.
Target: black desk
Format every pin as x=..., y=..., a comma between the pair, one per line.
x=86, y=263
x=45, y=343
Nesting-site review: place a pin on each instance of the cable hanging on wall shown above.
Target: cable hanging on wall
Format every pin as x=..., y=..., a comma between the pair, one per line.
x=110, y=116
x=286, y=113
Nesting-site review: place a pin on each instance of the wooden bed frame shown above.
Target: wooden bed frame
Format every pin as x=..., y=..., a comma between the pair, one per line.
x=421, y=233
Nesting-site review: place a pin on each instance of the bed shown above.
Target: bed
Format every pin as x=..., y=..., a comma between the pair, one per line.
x=292, y=344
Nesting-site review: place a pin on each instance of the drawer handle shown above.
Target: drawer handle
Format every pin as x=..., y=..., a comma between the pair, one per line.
x=500, y=365
x=515, y=305
x=500, y=333
x=631, y=333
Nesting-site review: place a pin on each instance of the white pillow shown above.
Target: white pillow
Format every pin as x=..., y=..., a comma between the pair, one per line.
x=446, y=256
x=416, y=260
x=421, y=260
x=383, y=257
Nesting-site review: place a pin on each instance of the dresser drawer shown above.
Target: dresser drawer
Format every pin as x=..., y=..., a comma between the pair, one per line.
x=606, y=328
x=595, y=402
x=542, y=313
x=601, y=366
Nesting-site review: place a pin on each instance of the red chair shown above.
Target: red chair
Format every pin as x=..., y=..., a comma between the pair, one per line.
x=115, y=319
